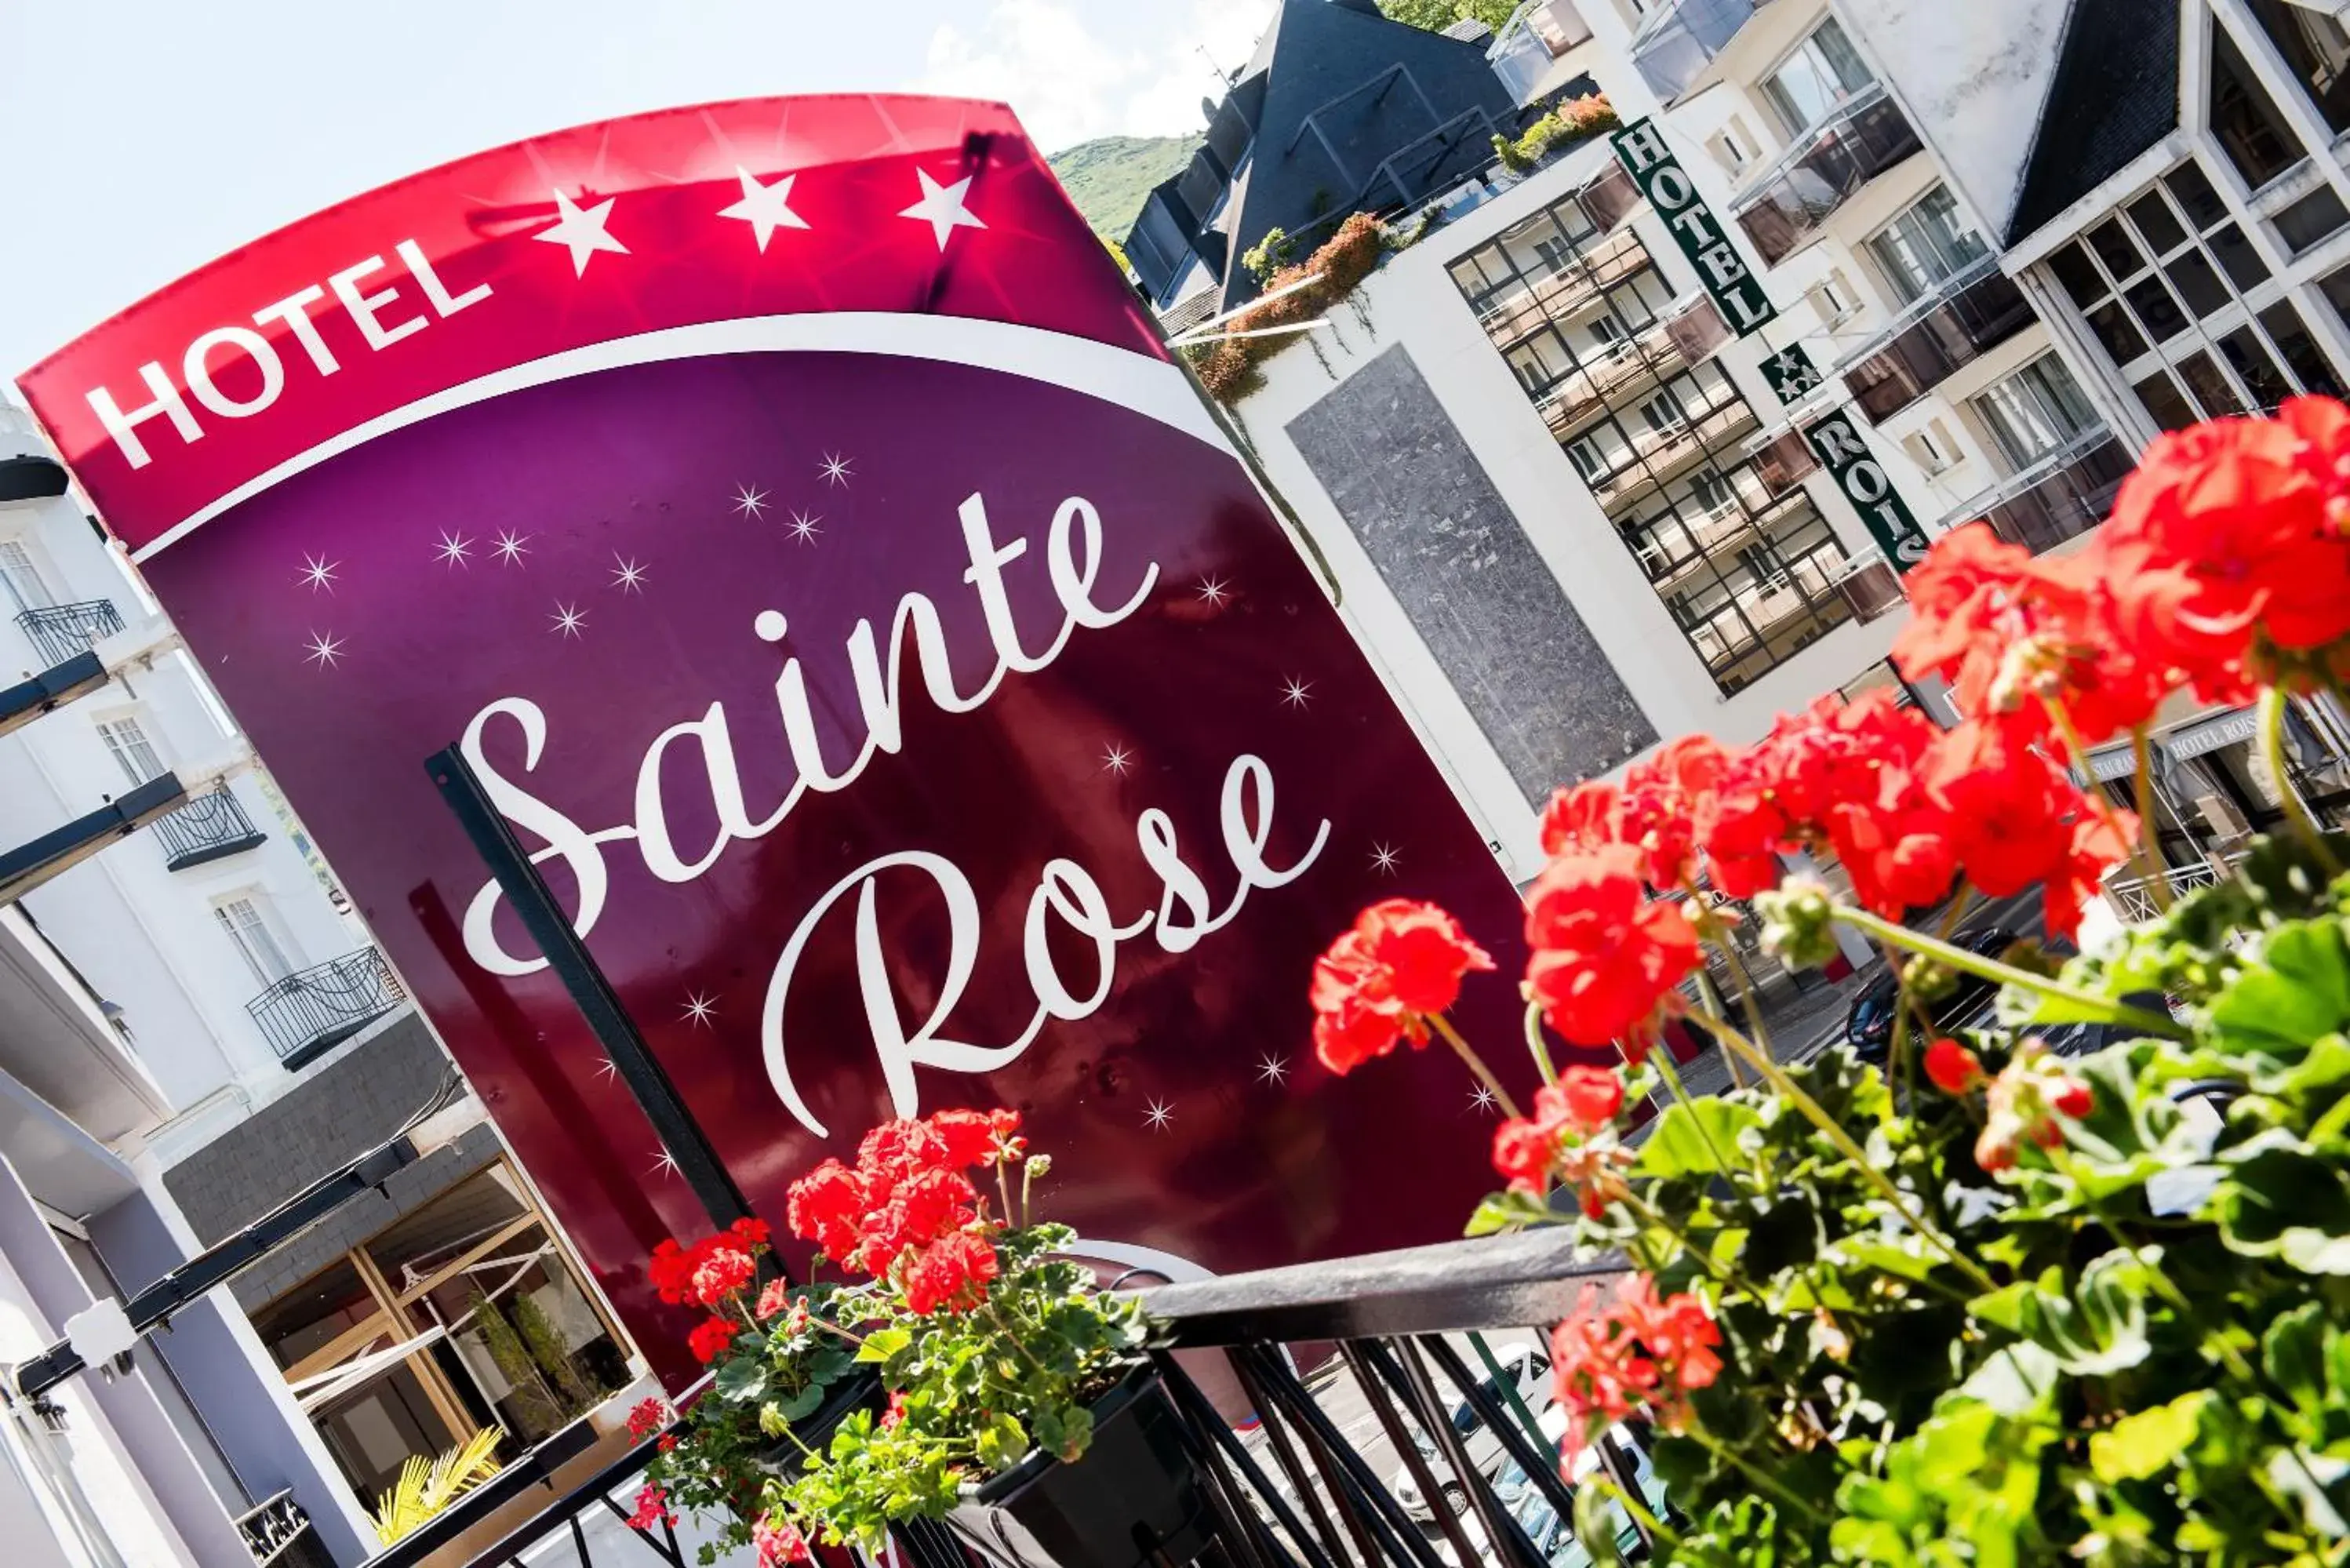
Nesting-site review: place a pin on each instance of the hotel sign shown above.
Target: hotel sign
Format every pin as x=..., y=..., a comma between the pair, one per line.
x=1864, y=483
x=1743, y=301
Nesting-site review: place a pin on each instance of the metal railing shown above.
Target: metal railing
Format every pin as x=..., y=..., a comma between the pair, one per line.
x=2133, y=897
x=2061, y=497
x=1682, y=38
x=1571, y=289
x=314, y=1009
x=1786, y=203
x=1975, y=309
x=272, y=1526
x=61, y=631
x=209, y=827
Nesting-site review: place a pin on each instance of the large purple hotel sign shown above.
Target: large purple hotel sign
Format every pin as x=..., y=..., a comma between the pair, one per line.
x=802, y=529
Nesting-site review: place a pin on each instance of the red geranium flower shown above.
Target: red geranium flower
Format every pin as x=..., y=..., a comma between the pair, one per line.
x=778, y=1542
x=1587, y=817
x=1402, y=962
x=824, y=1208
x=1606, y=957
x=713, y=1338
x=1587, y=1096
x=649, y=1417
x=751, y=1234
x=968, y=1136
x=774, y=1300
x=1954, y=1069
x=652, y=1508
x=951, y=1273
x=722, y=1271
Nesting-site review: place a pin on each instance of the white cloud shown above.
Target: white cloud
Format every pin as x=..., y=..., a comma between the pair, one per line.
x=1127, y=70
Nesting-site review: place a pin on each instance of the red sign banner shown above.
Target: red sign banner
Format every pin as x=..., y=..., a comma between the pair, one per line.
x=866, y=629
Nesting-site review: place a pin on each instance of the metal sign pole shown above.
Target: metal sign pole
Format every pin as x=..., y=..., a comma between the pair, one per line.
x=527, y=891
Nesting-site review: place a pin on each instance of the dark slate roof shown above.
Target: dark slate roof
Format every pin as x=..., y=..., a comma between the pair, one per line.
x=2114, y=95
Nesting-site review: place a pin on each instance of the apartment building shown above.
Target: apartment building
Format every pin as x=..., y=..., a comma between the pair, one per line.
x=1632, y=445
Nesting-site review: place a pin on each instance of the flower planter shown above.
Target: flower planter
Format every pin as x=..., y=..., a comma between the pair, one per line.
x=859, y=1390
x=1134, y=1496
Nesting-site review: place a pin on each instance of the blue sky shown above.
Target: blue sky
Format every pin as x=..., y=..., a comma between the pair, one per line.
x=142, y=138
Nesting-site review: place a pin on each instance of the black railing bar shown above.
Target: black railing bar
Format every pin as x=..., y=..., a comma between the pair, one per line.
x=1511, y=1395
x=1502, y=1527
x=1277, y=1437
x=1432, y=1492
x=1334, y=1482
x=1538, y=1460
x=542, y=1523
x=534, y=1467
x=671, y=1554
x=1491, y=1282
x=1240, y=1525
x=1200, y=1416
x=1620, y=1472
x=1392, y=1525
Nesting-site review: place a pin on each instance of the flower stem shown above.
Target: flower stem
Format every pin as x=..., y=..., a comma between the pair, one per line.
x=1537, y=1046
x=1762, y=1479
x=2106, y=1010
x=2272, y=701
x=1728, y=1274
x=1467, y=1053
x=1713, y=1000
x=1818, y=1116
x=2150, y=843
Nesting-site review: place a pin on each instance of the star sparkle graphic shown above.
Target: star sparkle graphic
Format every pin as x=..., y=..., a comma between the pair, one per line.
x=765, y=207
x=509, y=549
x=454, y=550
x=699, y=1009
x=325, y=648
x=803, y=526
x=1213, y=591
x=317, y=572
x=749, y=501
x=1483, y=1100
x=1383, y=859
x=567, y=620
x=1296, y=694
x=942, y=207
x=1160, y=1114
x=1117, y=760
x=627, y=576
x=836, y=469
x=664, y=1164
x=1272, y=1069
x=581, y=231
x=608, y=1069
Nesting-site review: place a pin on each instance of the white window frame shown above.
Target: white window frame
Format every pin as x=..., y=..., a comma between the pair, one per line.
x=270, y=926
x=144, y=734
x=26, y=556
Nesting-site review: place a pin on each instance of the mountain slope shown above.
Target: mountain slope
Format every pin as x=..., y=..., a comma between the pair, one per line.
x=1110, y=176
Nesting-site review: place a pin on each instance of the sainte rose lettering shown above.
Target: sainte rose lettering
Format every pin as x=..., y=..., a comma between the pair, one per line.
x=1065, y=894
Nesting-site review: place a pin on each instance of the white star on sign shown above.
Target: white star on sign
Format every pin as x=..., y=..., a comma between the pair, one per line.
x=1158, y=1115
x=749, y=501
x=1214, y=590
x=1293, y=691
x=453, y=549
x=567, y=620
x=943, y=208
x=509, y=549
x=763, y=207
x=581, y=231
x=835, y=468
x=1272, y=1069
x=627, y=576
x=1383, y=857
x=325, y=648
x=608, y=1069
x=699, y=1009
x=803, y=526
x=1483, y=1100
x=1117, y=760
x=319, y=572
x=664, y=1164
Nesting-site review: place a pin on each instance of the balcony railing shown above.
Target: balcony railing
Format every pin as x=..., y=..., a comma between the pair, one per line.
x=312, y=1010
x=1660, y=454
x=1682, y=38
x=1977, y=309
x=2061, y=497
x=60, y=632
x=1660, y=350
x=1787, y=202
x=210, y=827
x=272, y=1527
x=1510, y=318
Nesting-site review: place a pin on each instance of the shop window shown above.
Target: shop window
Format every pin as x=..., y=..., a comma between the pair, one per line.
x=1926, y=245
x=2315, y=48
x=2162, y=397
x=1824, y=71
x=2037, y=411
x=2311, y=218
x=2250, y=132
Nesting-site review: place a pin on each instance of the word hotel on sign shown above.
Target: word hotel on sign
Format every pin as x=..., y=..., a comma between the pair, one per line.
x=383, y=316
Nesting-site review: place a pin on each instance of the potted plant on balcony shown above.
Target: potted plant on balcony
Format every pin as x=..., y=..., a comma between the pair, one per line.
x=2068, y=1288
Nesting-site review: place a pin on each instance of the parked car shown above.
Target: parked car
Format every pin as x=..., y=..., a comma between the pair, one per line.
x=1870, y=1026
x=1553, y=1536
x=1523, y=1366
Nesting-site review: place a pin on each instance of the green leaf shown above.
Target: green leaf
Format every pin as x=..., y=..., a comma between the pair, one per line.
x=802, y=1404
x=742, y=1381
x=2298, y=992
x=1680, y=1146
x=1501, y=1211
x=2014, y=1381
x=2279, y=1199
x=2139, y=1447
x=884, y=1342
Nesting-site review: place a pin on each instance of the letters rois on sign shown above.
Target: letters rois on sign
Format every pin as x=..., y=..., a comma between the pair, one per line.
x=1745, y=303
x=1869, y=488
x=799, y=522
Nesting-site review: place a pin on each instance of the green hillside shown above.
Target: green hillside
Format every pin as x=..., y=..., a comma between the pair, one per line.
x=1110, y=176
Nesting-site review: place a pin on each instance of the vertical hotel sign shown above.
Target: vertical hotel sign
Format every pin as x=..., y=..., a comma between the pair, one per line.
x=1745, y=303
x=804, y=533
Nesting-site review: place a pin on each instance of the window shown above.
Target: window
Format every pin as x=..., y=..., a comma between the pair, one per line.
x=1733, y=147
x=2311, y=218
x=1931, y=448
x=133, y=751
x=2317, y=49
x=2250, y=132
x=2182, y=302
x=1926, y=245
x=248, y=925
x=2035, y=412
x=20, y=580
x=1824, y=71
x=1834, y=299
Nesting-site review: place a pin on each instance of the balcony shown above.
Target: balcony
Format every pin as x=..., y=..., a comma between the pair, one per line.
x=61, y=631
x=1668, y=347
x=1574, y=288
x=1784, y=207
x=1710, y=534
x=1681, y=39
x=311, y=1011
x=1661, y=454
x=211, y=827
x=1977, y=309
x=2061, y=497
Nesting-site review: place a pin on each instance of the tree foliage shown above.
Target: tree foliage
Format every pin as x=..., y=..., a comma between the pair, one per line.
x=1435, y=16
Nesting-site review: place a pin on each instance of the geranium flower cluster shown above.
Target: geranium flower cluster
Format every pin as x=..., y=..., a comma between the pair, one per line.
x=777, y=1542
x=1638, y=1354
x=1400, y=965
x=2027, y=1104
x=906, y=1212
x=1570, y=1138
x=710, y=1274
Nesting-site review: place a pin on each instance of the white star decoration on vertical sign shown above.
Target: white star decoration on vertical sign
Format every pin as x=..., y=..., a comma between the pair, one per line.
x=942, y=207
x=836, y=469
x=627, y=576
x=1213, y=591
x=567, y=620
x=581, y=231
x=1383, y=859
x=453, y=549
x=749, y=501
x=509, y=549
x=1117, y=760
x=1160, y=1114
x=803, y=526
x=699, y=1009
x=1295, y=693
x=317, y=572
x=664, y=1164
x=765, y=207
x=1272, y=1069
x=1483, y=1100
x=608, y=1069
x=325, y=648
